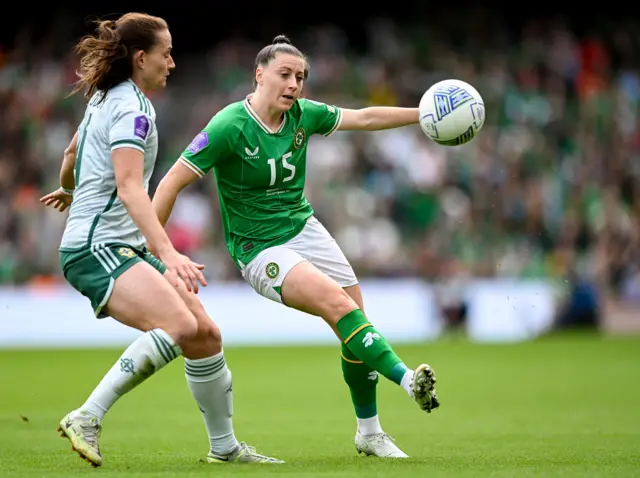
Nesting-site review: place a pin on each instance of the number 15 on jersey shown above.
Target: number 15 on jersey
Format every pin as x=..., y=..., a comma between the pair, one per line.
x=285, y=165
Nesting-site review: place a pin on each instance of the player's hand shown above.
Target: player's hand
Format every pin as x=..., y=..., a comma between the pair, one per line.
x=181, y=267
x=58, y=199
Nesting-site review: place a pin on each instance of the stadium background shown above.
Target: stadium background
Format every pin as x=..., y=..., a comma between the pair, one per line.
x=549, y=190
x=538, y=213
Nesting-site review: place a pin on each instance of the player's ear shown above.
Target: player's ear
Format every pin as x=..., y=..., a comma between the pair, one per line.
x=259, y=76
x=139, y=58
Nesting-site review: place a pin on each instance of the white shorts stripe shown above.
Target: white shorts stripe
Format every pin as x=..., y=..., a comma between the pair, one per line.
x=112, y=256
x=113, y=263
x=100, y=259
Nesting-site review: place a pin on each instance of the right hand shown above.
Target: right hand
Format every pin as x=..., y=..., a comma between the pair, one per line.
x=181, y=267
x=58, y=199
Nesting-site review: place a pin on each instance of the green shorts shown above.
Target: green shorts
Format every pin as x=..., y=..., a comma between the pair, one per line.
x=93, y=270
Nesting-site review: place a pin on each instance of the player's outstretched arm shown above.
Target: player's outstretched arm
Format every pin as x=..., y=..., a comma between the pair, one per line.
x=62, y=197
x=178, y=178
x=377, y=118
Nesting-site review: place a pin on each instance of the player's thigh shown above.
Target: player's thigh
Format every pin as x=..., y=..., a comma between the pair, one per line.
x=317, y=245
x=207, y=340
x=283, y=275
x=142, y=298
x=309, y=290
x=120, y=283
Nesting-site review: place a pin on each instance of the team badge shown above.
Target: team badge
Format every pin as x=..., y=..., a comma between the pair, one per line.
x=272, y=270
x=126, y=252
x=298, y=138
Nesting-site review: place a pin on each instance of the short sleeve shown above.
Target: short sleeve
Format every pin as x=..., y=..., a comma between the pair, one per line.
x=207, y=148
x=324, y=119
x=129, y=129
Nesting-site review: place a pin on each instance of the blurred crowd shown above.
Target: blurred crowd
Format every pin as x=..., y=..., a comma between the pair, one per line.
x=548, y=189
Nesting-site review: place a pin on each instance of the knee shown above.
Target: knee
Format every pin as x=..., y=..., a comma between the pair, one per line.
x=183, y=329
x=206, y=343
x=207, y=331
x=206, y=339
x=209, y=334
x=338, y=304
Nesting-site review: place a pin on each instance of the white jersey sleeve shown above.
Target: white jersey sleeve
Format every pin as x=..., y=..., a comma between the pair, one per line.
x=130, y=128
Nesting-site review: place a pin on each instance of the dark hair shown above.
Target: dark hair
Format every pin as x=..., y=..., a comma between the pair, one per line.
x=106, y=59
x=280, y=44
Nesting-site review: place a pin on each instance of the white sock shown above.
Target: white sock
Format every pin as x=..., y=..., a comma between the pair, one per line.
x=209, y=380
x=406, y=382
x=148, y=354
x=369, y=426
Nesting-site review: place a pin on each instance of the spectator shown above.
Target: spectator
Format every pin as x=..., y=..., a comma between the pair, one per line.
x=549, y=186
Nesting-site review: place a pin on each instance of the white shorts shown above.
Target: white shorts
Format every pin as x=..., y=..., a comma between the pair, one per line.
x=266, y=272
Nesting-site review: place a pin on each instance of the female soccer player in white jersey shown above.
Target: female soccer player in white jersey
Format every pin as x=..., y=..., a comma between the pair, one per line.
x=104, y=177
x=257, y=149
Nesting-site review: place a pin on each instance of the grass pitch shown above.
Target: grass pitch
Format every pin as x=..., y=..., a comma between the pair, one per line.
x=566, y=406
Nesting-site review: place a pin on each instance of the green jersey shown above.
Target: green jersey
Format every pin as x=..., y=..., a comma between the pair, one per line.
x=260, y=173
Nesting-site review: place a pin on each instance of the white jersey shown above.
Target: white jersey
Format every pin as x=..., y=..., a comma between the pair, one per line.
x=124, y=119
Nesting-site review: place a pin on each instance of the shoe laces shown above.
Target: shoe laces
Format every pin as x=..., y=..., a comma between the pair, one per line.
x=251, y=450
x=382, y=437
x=248, y=448
x=91, y=429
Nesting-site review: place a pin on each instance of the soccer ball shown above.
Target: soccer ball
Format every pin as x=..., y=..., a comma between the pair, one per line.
x=451, y=112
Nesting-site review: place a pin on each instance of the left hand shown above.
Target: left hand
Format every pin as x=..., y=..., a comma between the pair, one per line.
x=58, y=199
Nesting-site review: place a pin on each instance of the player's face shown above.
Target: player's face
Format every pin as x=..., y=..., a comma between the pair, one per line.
x=158, y=62
x=283, y=79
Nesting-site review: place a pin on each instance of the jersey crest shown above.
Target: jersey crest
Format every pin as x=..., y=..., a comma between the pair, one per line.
x=126, y=252
x=299, y=138
x=272, y=270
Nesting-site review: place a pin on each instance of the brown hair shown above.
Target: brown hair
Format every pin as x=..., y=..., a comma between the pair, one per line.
x=106, y=59
x=280, y=44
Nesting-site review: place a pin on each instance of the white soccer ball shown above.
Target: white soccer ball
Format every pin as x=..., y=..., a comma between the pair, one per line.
x=451, y=112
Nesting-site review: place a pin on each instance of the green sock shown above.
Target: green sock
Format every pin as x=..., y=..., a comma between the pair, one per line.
x=368, y=345
x=362, y=381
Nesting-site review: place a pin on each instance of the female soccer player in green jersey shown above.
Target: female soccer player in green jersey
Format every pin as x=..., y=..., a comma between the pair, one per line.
x=105, y=175
x=257, y=149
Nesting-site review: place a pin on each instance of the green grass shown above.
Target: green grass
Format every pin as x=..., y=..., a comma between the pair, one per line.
x=564, y=406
